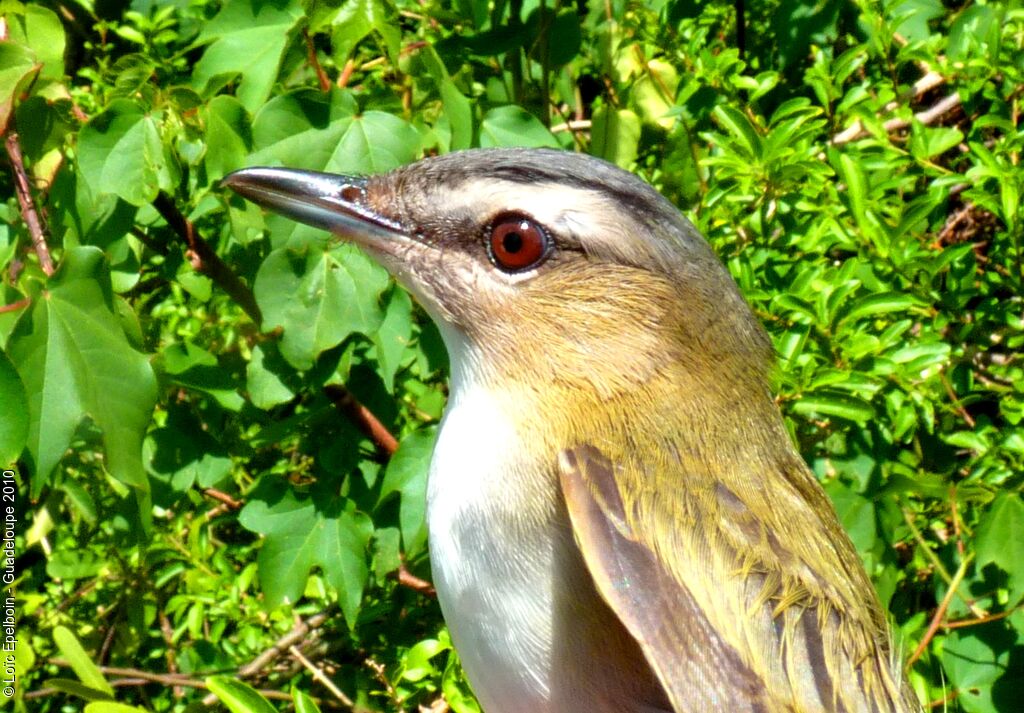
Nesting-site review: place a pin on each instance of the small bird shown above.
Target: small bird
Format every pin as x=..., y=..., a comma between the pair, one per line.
x=618, y=520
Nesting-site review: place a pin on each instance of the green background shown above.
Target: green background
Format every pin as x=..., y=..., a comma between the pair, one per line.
x=221, y=420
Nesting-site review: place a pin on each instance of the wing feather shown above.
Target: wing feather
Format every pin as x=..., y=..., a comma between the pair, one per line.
x=733, y=612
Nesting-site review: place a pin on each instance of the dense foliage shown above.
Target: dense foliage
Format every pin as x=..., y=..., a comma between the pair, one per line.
x=221, y=420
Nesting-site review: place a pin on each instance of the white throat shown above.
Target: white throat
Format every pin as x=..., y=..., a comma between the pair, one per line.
x=521, y=608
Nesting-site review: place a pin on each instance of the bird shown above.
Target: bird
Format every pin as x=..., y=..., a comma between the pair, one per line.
x=617, y=517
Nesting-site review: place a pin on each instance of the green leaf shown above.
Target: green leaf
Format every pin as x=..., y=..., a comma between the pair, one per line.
x=972, y=28
x=249, y=38
x=615, y=135
x=228, y=136
x=40, y=30
x=120, y=152
x=238, y=697
x=982, y=666
x=416, y=664
x=563, y=37
x=856, y=513
x=80, y=661
x=513, y=126
x=856, y=187
x=192, y=366
x=319, y=298
x=77, y=688
x=323, y=132
x=265, y=377
x=830, y=404
x=653, y=93
x=456, y=690
x=740, y=128
x=999, y=539
x=358, y=18
x=181, y=454
x=406, y=474
x=457, y=107
x=876, y=304
x=926, y=142
x=392, y=338
x=18, y=67
x=306, y=531
x=72, y=566
x=303, y=702
x=112, y=707
x=14, y=417
x=74, y=360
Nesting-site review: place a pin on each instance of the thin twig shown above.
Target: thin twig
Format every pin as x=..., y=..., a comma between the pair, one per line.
x=167, y=631
x=922, y=86
x=959, y=407
x=940, y=613
x=138, y=677
x=318, y=675
x=321, y=75
x=381, y=675
x=27, y=203
x=440, y=705
x=964, y=623
x=158, y=248
x=369, y=424
x=936, y=562
x=223, y=497
x=346, y=73
x=205, y=259
x=407, y=579
x=567, y=123
x=297, y=633
x=15, y=306
x=574, y=126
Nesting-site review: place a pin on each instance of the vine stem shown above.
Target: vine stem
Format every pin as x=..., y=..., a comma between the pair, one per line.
x=27, y=203
x=940, y=612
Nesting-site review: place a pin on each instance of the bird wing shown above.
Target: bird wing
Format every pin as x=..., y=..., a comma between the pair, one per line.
x=733, y=607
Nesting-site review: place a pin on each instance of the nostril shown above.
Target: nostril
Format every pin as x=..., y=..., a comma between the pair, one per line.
x=352, y=193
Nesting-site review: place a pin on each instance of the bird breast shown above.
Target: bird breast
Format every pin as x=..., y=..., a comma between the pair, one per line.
x=530, y=628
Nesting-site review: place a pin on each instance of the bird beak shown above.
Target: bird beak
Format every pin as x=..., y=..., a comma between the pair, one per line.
x=324, y=200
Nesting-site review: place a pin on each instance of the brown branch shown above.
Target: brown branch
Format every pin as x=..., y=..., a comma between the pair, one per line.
x=138, y=677
x=227, y=503
x=410, y=580
x=321, y=75
x=320, y=677
x=369, y=424
x=346, y=74
x=15, y=306
x=223, y=497
x=940, y=612
x=300, y=631
x=296, y=634
x=957, y=405
x=158, y=248
x=964, y=623
x=944, y=701
x=204, y=258
x=926, y=83
x=167, y=631
x=27, y=203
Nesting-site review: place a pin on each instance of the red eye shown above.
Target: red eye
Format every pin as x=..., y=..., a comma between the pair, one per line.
x=517, y=243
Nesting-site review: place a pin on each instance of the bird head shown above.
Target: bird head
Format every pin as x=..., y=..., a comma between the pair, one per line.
x=539, y=266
